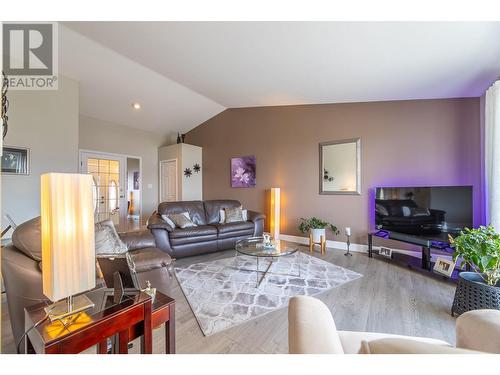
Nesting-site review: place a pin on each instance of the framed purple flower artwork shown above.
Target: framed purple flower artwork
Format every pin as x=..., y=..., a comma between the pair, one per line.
x=243, y=172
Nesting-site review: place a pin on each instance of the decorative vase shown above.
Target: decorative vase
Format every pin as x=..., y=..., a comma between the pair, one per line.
x=473, y=293
x=317, y=233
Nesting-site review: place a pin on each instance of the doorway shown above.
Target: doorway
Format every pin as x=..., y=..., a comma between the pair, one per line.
x=116, y=187
x=133, y=193
x=168, y=181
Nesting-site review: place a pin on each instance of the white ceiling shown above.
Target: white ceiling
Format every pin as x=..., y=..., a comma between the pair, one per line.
x=110, y=83
x=185, y=72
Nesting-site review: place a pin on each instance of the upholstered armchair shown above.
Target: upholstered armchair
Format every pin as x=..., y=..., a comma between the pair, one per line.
x=312, y=330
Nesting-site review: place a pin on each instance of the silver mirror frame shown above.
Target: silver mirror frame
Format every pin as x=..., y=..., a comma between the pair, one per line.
x=358, y=167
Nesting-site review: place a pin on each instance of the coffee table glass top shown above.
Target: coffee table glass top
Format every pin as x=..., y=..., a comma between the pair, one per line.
x=253, y=246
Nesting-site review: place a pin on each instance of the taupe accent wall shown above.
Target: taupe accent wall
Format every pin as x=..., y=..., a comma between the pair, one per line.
x=420, y=142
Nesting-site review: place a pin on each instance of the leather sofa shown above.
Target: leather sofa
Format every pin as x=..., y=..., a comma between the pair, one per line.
x=208, y=236
x=312, y=330
x=22, y=275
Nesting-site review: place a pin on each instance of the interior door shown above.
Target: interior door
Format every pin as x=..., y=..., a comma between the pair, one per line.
x=109, y=184
x=168, y=181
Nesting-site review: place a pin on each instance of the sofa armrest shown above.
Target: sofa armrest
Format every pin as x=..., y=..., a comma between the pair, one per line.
x=311, y=329
x=155, y=221
x=479, y=330
x=253, y=216
x=137, y=239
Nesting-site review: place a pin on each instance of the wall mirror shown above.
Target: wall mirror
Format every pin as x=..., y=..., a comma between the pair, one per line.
x=340, y=167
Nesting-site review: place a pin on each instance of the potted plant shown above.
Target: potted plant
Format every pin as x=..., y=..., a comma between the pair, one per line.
x=479, y=249
x=316, y=227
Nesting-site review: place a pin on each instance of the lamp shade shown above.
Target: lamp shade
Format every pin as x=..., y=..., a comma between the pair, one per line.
x=274, y=223
x=67, y=223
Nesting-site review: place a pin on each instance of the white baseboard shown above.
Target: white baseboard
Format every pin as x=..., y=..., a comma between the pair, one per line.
x=357, y=248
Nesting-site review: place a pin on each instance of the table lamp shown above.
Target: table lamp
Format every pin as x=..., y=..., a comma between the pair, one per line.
x=68, y=247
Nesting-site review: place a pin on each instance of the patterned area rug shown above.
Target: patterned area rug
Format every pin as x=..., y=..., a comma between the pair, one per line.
x=223, y=293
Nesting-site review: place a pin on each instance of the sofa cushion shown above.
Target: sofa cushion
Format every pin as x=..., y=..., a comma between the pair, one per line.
x=139, y=239
x=408, y=346
x=351, y=340
x=193, y=240
x=27, y=238
x=235, y=227
x=195, y=209
x=239, y=234
x=149, y=258
x=212, y=208
x=200, y=230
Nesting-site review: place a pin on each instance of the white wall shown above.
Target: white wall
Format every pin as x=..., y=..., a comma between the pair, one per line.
x=192, y=187
x=189, y=188
x=47, y=123
x=103, y=136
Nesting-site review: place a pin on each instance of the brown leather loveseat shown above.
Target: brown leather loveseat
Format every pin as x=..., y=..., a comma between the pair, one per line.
x=22, y=275
x=208, y=236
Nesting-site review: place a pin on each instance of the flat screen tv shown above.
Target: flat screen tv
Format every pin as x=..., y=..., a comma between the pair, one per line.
x=428, y=212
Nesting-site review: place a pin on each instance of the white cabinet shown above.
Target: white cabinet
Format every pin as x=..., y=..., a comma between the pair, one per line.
x=174, y=160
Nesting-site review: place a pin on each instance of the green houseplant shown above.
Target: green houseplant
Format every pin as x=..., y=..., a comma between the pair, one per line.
x=479, y=249
x=317, y=227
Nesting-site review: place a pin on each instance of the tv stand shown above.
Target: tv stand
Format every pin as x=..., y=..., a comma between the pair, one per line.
x=426, y=245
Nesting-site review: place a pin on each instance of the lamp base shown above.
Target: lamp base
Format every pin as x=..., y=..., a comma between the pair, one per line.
x=70, y=306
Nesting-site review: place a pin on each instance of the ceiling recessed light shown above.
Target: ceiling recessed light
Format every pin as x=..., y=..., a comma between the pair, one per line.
x=136, y=106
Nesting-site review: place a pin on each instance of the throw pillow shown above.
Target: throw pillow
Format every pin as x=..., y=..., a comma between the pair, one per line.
x=107, y=241
x=222, y=216
x=381, y=210
x=182, y=220
x=234, y=215
x=406, y=210
x=169, y=222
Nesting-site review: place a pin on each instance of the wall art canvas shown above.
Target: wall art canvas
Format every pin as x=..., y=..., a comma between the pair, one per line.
x=243, y=172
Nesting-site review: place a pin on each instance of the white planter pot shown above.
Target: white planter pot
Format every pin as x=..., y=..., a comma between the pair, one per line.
x=317, y=233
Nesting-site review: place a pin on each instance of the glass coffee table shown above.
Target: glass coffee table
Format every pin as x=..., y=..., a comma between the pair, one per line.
x=254, y=247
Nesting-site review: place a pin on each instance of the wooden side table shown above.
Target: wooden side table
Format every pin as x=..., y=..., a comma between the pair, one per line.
x=322, y=244
x=163, y=312
x=91, y=327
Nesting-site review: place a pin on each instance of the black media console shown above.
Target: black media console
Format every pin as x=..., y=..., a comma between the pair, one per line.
x=427, y=245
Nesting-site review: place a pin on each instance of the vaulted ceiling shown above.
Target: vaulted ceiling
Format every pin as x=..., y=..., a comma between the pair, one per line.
x=183, y=73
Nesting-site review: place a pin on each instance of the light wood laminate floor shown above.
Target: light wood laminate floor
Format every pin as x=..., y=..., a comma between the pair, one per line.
x=388, y=298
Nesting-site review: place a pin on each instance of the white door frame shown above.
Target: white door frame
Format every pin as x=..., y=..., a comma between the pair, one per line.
x=160, y=179
x=82, y=151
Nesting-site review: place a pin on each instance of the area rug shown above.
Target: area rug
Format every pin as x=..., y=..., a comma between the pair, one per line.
x=223, y=293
